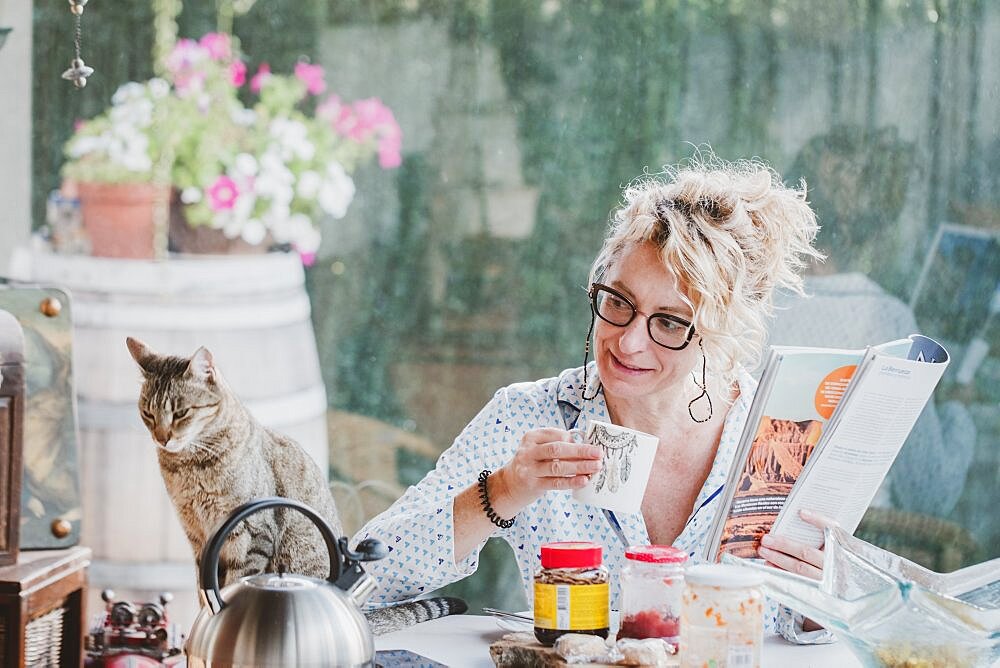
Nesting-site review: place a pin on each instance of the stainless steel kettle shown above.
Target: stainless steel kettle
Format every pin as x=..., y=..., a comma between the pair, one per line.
x=282, y=619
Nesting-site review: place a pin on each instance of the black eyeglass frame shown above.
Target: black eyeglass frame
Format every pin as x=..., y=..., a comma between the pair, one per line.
x=596, y=288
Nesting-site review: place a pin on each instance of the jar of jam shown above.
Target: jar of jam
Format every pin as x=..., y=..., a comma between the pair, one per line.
x=571, y=591
x=652, y=583
x=722, y=617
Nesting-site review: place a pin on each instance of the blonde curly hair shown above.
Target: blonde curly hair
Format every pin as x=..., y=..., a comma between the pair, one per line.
x=729, y=233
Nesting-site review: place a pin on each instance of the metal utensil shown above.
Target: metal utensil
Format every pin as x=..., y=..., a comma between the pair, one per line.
x=504, y=614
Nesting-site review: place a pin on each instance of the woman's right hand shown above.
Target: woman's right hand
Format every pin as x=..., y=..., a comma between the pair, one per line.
x=548, y=459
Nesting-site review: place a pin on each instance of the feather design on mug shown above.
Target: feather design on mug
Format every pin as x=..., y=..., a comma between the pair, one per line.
x=618, y=450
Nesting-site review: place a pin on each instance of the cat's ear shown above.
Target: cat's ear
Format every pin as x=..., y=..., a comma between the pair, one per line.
x=201, y=366
x=141, y=353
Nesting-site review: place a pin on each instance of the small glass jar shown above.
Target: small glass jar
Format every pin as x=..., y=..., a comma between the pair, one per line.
x=722, y=617
x=571, y=591
x=652, y=583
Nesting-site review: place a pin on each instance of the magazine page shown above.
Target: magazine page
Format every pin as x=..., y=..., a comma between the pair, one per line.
x=864, y=436
x=799, y=391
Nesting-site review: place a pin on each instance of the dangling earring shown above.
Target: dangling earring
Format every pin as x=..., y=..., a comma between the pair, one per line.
x=703, y=386
x=586, y=356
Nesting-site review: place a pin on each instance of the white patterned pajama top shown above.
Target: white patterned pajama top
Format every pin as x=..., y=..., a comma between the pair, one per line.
x=418, y=528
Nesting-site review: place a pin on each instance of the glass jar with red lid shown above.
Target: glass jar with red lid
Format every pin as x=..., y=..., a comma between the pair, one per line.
x=571, y=591
x=652, y=583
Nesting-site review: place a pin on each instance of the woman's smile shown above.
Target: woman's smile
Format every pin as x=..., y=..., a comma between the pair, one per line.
x=628, y=368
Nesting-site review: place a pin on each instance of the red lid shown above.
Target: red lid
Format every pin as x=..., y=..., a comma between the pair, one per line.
x=656, y=554
x=571, y=555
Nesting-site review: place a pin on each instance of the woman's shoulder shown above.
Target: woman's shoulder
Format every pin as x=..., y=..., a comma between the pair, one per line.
x=747, y=385
x=562, y=387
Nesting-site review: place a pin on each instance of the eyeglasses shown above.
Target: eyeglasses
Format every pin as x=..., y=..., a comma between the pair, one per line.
x=669, y=331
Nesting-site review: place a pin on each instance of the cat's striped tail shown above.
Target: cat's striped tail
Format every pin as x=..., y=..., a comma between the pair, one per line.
x=393, y=618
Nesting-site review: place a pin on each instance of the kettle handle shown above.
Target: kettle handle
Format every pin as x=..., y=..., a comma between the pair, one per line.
x=208, y=562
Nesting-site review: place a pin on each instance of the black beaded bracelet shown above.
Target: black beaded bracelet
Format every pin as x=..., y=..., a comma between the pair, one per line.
x=484, y=497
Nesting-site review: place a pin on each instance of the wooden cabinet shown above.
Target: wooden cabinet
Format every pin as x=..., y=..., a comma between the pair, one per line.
x=42, y=608
x=11, y=435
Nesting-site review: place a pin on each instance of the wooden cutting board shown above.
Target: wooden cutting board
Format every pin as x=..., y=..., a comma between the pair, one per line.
x=521, y=650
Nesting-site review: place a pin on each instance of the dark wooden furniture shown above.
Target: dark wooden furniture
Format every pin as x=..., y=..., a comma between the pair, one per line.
x=43, y=600
x=12, y=392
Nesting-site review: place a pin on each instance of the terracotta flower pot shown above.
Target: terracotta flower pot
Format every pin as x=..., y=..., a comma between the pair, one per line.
x=118, y=217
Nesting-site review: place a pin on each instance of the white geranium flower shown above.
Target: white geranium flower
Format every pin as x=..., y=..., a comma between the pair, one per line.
x=253, y=232
x=307, y=240
x=131, y=152
x=158, y=88
x=191, y=195
x=245, y=203
x=309, y=184
x=274, y=181
x=293, y=139
x=231, y=226
x=81, y=146
x=279, y=212
x=279, y=231
x=135, y=114
x=244, y=117
x=127, y=92
x=299, y=224
x=245, y=164
x=337, y=191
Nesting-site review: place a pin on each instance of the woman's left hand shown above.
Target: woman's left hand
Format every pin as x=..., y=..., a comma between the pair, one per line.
x=795, y=556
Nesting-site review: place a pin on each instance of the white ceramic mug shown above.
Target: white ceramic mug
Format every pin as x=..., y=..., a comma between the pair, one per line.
x=627, y=457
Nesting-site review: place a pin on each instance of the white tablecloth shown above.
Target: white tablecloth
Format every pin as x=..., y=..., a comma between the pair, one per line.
x=463, y=641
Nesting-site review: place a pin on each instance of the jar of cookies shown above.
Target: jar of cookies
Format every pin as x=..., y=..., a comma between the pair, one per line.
x=571, y=591
x=722, y=617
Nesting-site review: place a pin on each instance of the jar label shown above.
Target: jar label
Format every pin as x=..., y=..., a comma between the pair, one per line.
x=571, y=607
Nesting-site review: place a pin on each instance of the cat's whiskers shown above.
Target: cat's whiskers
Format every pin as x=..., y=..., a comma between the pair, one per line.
x=204, y=447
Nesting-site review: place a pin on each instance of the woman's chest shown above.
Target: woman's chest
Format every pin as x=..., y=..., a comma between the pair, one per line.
x=673, y=489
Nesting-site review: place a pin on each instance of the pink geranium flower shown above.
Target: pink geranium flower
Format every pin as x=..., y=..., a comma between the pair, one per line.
x=222, y=194
x=218, y=45
x=389, y=155
x=308, y=258
x=185, y=54
x=311, y=76
x=341, y=118
x=263, y=74
x=238, y=73
x=363, y=121
x=188, y=82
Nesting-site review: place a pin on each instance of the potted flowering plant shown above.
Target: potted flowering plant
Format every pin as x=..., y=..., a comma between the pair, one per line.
x=113, y=162
x=245, y=178
x=294, y=163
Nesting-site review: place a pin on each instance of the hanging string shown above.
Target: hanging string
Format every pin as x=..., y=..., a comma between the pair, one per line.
x=78, y=70
x=586, y=357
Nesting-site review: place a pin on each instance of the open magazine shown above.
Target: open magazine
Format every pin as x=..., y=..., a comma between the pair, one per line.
x=824, y=427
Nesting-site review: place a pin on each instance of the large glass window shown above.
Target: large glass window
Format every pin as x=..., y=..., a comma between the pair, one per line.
x=464, y=269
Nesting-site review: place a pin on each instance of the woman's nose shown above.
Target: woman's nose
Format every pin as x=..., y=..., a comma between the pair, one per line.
x=634, y=337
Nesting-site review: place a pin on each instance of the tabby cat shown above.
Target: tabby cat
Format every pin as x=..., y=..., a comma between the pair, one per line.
x=215, y=456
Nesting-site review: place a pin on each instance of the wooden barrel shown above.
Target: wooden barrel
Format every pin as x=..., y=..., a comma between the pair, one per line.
x=251, y=312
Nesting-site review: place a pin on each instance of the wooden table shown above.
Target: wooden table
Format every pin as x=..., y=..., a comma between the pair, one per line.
x=42, y=609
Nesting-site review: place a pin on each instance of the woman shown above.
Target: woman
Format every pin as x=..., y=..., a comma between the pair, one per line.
x=681, y=295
